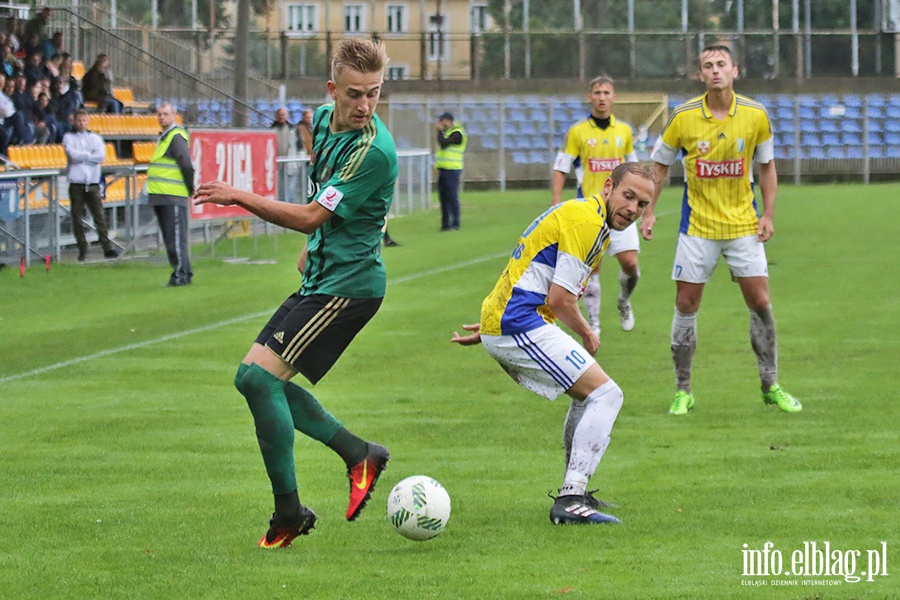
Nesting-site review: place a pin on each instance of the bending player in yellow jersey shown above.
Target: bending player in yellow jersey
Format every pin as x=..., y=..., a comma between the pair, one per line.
x=541, y=283
x=600, y=143
x=721, y=133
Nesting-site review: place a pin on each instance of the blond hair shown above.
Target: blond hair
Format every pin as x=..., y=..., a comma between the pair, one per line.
x=360, y=54
x=600, y=80
x=641, y=169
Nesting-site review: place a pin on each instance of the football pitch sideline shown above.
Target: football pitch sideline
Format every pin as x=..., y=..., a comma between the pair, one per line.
x=130, y=467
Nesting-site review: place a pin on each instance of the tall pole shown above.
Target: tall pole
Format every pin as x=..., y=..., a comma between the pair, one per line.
x=525, y=18
x=854, y=37
x=776, y=43
x=241, y=45
x=579, y=31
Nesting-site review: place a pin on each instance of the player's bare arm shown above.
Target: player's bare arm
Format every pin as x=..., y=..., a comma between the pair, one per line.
x=472, y=339
x=557, y=182
x=304, y=218
x=564, y=305
x=660, y=176
x=768, y=184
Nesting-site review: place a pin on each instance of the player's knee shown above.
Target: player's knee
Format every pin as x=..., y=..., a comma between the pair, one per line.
x=239, y=377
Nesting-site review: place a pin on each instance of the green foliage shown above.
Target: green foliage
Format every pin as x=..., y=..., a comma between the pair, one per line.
x=131, y=470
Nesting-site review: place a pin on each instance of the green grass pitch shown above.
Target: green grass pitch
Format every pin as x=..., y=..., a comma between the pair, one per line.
x=130, y=467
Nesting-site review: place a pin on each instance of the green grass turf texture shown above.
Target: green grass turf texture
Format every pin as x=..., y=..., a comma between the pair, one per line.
x=133, y=470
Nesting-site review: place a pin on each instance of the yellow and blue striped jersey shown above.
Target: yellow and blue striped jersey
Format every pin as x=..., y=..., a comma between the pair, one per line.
x=561, y=246
x=718, y=201
x=599, y=151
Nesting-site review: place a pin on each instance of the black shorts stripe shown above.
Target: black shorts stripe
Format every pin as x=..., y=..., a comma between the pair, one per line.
x=314, y=327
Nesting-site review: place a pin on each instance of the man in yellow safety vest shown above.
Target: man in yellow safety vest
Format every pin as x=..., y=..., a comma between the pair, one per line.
x=451, y=139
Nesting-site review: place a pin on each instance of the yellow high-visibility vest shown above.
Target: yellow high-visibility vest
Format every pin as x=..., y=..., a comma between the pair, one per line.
x=163, y=174
x=451, y=157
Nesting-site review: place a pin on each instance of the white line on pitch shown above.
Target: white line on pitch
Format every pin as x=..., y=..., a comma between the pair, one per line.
x=256, y=315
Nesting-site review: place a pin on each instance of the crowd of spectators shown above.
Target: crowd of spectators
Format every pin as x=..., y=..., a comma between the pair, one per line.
x=39, y=94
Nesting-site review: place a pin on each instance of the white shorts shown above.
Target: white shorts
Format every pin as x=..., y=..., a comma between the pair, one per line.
x=622, y=241
x=546, y=360
x=696, y=258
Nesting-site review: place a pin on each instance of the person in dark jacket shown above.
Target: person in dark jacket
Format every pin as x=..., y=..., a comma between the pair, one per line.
x=96, y=86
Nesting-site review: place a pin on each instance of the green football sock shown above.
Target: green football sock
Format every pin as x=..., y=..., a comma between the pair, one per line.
x=311, y=419
x=274, y=426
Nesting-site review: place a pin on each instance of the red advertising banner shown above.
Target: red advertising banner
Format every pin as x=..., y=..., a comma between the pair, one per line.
x=241, y=158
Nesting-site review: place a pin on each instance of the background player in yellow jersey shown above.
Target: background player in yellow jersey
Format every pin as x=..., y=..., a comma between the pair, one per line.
x=721, y=133
x=597, y=145
x=541, y=283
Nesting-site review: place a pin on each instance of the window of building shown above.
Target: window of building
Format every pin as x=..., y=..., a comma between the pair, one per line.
x=438, y=40
x=302, y=18
x=354, y=18
x=481, y=19
x=396, y=18
x=397, y=72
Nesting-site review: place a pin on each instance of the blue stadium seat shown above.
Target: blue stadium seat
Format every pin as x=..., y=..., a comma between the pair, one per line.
x=808, y=113
x=810, y=140
x=875, y=138
x=892, y=152
x=894, y=100
x=875, y=112
x=892, y=125
x=809, y=125
x=892, y=139
x=850, y=126
x=520, y=157
x=537, y=157
x=831, y=139
x=829, y=99
x=853, y=100
x=855, y=152
x=875, y=100
x=815, y=152
x=807, y=101
x=763, y=99
x=489, y=143
x=835, y=152
x=851, y=139
x=828, y=126
x=852, y=112
x=784, y=101
x=784, y=113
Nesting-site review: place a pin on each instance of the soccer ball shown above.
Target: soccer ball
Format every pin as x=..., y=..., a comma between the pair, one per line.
x=418, y=507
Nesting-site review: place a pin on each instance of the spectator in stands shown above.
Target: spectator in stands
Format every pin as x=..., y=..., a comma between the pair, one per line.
x=8, y=61
x=451, y=139
x=32, y=45
x=37, y=25
x=65, y=99
x=13, y=122
x=51, y=66
x=24, y=102
x=52, y=45
x=44, y=118
x=34, y=67
x=287, y=140
x=97, y=86
x=305, y=129
x=12, y=37
x=170, y=182
x=85, y=152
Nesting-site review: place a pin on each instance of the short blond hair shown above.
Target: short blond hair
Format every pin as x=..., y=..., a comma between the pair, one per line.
x=600, y=80
x=360, y=54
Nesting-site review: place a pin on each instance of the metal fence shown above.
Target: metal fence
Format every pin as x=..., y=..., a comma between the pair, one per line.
x=36, y=222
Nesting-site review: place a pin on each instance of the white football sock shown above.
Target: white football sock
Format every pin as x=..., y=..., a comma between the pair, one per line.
x=591, y=437
x=591, y=299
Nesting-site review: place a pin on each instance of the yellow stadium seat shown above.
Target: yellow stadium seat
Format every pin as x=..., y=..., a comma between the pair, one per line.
x=78, y=70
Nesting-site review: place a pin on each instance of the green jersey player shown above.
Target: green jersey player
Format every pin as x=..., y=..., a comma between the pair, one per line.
x=352, y=175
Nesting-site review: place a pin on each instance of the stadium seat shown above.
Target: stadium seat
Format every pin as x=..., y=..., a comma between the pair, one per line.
x=828, y=126
x=855, y=152
x=851, y=139
x=893, y=152
x=784, y=113
x=892, y=125
x=892, y=140
x=817, y=152
x=809, y=126
x=875, y=100
x=835, y=152
x=853, y=100
x=848, y=126
x=807, y=101
x=831, y=139
x=784, y=101
x=520, y=157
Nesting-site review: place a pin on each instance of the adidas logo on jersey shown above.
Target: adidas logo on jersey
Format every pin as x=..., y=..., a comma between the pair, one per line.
x=279, y=335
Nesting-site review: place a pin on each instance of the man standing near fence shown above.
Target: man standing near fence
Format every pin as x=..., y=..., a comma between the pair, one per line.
x=601, y=142
x=170, y=182
x=85, y=152
x=451, y=140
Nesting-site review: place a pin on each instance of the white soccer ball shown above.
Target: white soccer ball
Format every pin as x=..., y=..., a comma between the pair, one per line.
x=418, y=507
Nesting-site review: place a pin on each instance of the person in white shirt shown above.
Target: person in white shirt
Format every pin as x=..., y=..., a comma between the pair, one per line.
x=85, y=152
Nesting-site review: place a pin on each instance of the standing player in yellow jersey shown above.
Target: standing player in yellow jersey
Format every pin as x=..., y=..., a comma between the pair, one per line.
x=600, y=143
x=541, y=283
x=721, y=133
